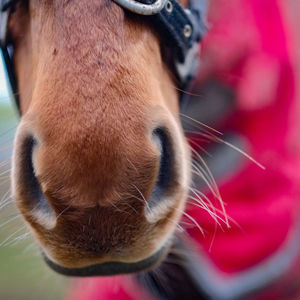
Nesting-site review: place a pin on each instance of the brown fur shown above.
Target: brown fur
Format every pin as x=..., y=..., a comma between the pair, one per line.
x=93, y=87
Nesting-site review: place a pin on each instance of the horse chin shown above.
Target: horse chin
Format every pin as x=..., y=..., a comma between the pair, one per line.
x=111, y=268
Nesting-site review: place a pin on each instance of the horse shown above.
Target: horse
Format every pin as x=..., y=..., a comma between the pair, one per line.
x=101, y=166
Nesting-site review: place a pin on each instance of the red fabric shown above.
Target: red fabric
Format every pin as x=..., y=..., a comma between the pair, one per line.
x=110, y=288
x=247, y=48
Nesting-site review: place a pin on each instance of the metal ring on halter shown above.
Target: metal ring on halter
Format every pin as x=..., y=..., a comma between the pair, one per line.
x=142, y=8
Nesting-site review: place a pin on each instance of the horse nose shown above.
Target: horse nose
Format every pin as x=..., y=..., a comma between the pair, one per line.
x=95, y=197
x=35, y=200
x=166, y=174
x=32, y=198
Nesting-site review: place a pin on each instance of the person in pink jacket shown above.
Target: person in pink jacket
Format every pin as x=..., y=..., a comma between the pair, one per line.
x=248, y=84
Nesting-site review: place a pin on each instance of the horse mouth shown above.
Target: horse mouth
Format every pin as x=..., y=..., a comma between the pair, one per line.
x=110, y=268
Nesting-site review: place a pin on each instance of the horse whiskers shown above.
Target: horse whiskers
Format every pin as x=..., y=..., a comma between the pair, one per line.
x=6, y=200
x=28, y=249
x=232, y=221
x=200, y=135
x=199, y=194
x=6, y=204
x=200, y=147
x=241, y=152
x=214, y=216
x=209, y=204
x=143, y=197
x=122, y=202
x=192, y=219
x=4, y=163
x=5, y=172
x=212, y=137
x=215, y=191
x=179, y=227
x=17, y=239
x=218, y=197
x=201, y=201
x=205, y=170
x=187, y=93
x=200, y=172
x=179, y=89
x=186, y=225
x=63, y=211
x=206, y=177
x=201, y=124
x=130, y=206
x=196, y=165
x=120, y=210
x=203, y=205
x=10, y=220
x=11, y=235
x=131, y=163
x=202, y=176
x=5, y=196
x=207, y=209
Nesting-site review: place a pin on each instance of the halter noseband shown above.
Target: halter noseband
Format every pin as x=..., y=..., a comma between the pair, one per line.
x=180, y=29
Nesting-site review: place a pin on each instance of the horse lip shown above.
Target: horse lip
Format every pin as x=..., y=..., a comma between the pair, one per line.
x=109, y=268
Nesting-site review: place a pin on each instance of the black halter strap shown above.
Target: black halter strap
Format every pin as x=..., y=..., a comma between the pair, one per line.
x=180, y=29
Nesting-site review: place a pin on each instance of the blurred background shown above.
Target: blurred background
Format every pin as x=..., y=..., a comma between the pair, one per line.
x=23, y=274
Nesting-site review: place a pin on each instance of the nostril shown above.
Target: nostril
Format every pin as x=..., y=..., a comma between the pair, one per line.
x=34, y=198
x=166, y=173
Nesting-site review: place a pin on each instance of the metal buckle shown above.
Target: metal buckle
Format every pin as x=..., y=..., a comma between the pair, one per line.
x=142, y=8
